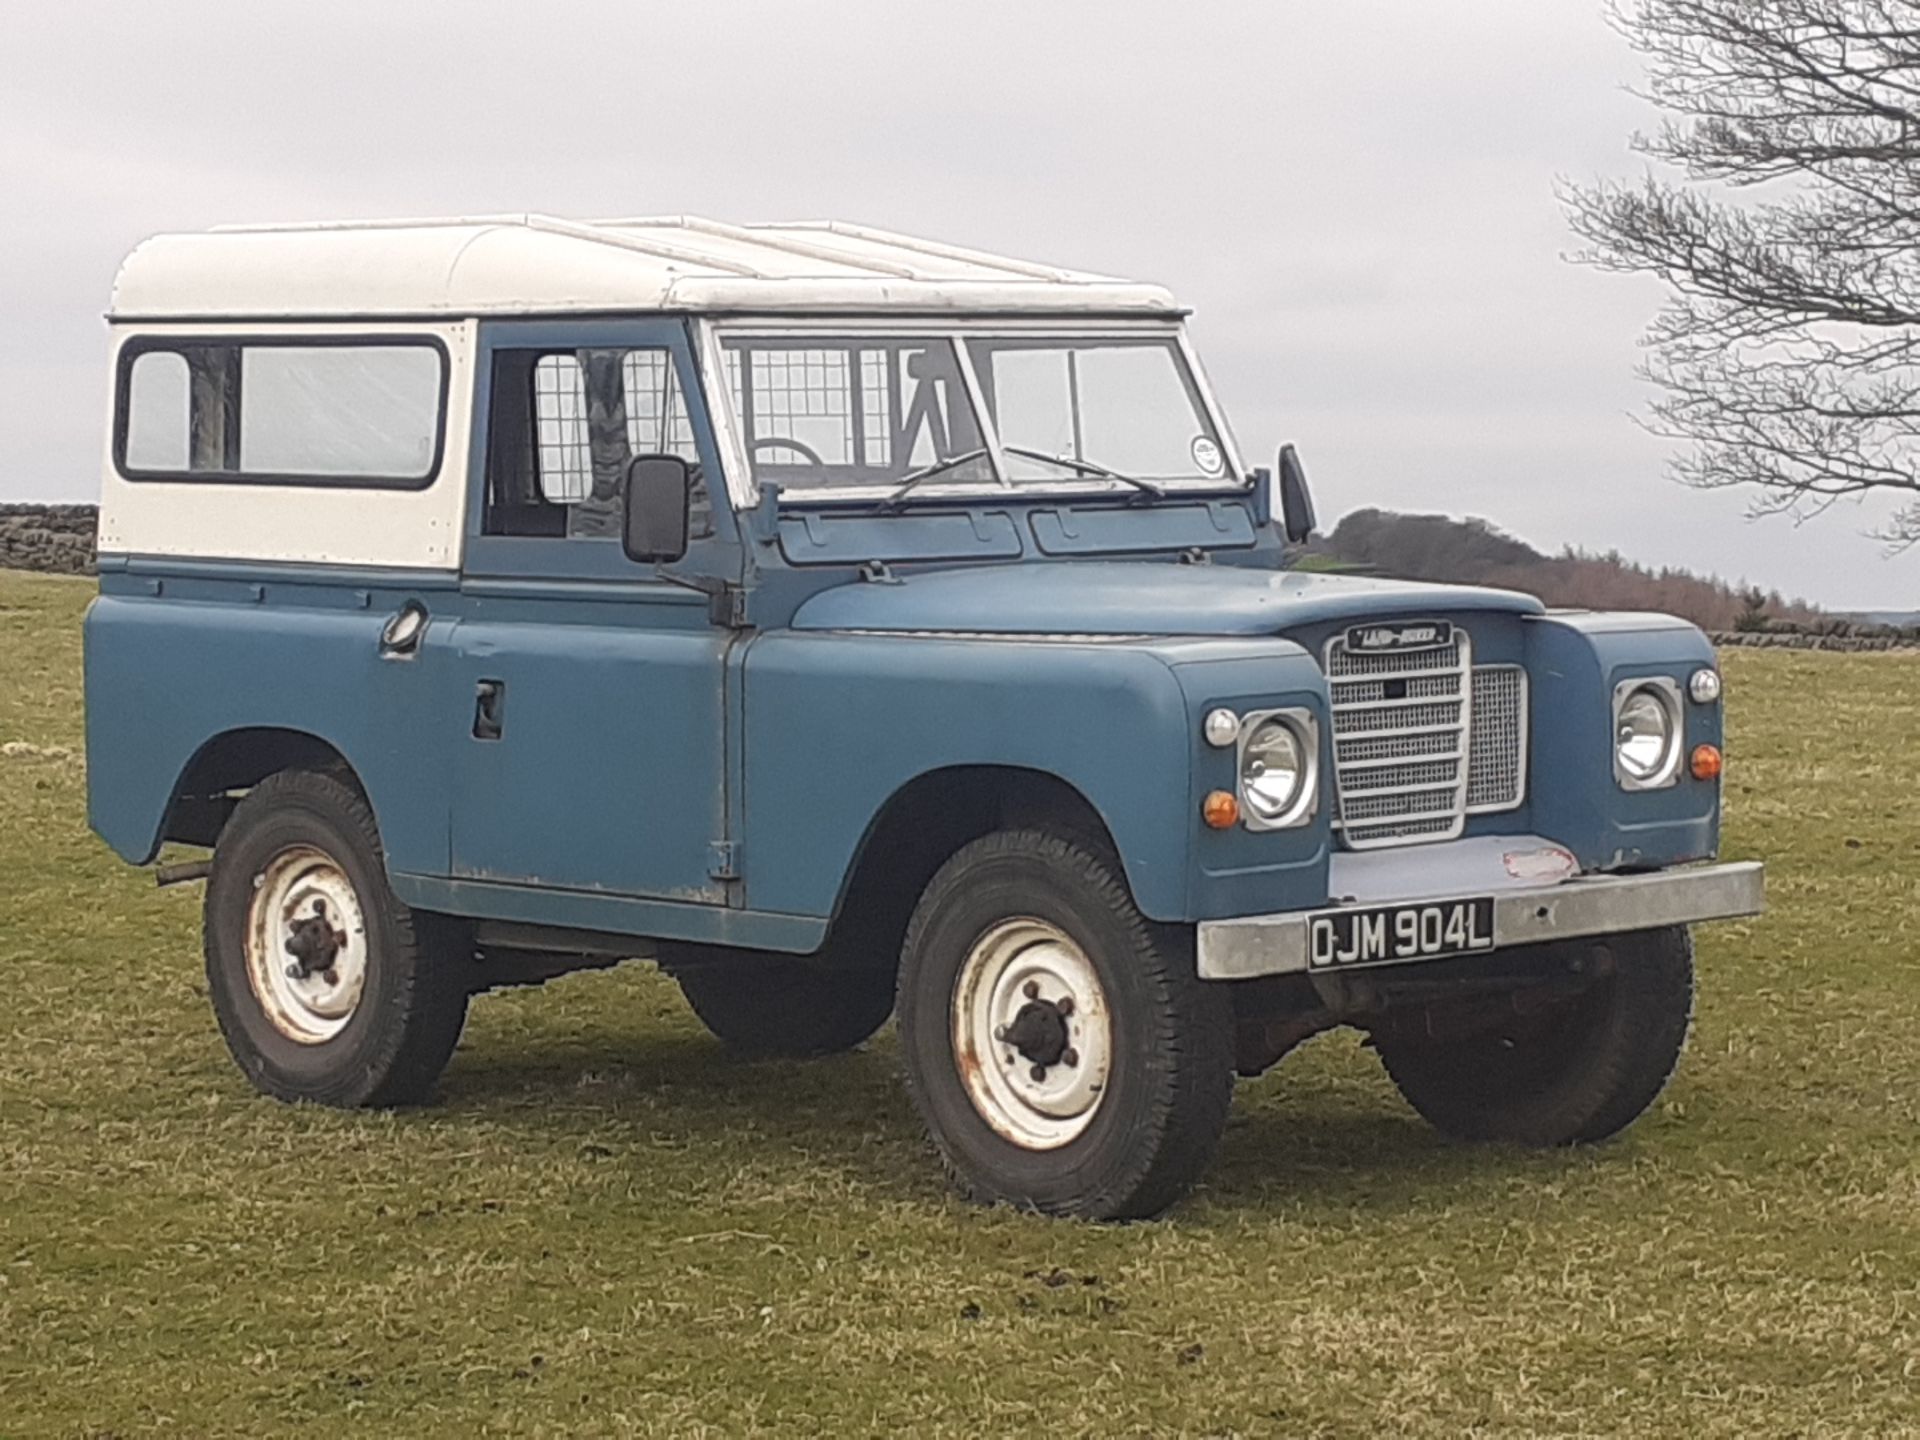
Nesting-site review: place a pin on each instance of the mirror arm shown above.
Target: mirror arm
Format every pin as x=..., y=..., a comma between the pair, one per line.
x=726, y=601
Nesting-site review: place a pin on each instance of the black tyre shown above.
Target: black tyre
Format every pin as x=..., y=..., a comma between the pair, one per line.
x=1575, y=1073
x=762, y=1005
x=1062, y=1049
x=326, y=987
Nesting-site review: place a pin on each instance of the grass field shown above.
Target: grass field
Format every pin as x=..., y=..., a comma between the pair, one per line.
x=608, y=1227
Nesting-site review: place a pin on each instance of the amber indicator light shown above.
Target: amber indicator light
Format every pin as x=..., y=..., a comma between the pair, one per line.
x=1221, y=810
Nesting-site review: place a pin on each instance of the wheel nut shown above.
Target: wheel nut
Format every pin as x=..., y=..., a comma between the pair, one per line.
x=1070, y=1057
x=332, y=977
x=1000, y=1032
x=294, y=972
x=1039, y=1072
x=1064, y=1005
x=1031, y=990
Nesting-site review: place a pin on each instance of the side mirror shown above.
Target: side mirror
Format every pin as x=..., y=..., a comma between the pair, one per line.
x=658, y=499
x=1296, y=500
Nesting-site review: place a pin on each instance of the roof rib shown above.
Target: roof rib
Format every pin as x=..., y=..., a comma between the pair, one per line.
x=661, y=249
x=944, y=251
x=761, y=235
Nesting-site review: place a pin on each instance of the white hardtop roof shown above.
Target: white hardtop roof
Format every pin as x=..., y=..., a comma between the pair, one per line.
x=538, y=265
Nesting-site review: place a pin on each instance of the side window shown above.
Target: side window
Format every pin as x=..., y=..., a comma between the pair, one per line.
x=368, y=414
x=159, y=411
x=564, y=427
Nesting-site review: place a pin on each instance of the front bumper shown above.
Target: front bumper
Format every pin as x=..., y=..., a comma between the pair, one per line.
x=1255, y=945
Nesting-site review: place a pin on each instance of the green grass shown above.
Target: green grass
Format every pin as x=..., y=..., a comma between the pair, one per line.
x=607, y=1226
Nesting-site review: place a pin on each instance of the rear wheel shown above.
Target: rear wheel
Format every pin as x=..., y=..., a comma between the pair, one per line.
x=1060, y=1047
x=326, y=987
x=1578, y=1072
x=787, y=1006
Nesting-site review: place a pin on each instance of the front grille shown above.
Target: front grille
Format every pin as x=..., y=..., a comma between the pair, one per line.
x=1497, y=760
x=1422, y=739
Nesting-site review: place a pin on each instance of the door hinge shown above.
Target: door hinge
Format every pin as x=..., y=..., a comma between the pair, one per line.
x=723, y=860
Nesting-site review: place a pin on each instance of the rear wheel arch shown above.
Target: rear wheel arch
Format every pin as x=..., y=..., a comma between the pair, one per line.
x=234, y=761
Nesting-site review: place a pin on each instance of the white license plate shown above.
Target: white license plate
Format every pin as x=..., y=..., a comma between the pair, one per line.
x=1390, y=934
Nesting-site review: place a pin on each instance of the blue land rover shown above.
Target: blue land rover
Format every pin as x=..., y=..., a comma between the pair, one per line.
x=857, y=626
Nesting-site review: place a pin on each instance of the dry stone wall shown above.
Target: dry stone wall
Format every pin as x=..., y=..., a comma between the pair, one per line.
x=1853, y=639
x=57, y=539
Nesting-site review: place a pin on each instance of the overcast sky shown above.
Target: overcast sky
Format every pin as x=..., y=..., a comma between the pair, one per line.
x=1356, y=197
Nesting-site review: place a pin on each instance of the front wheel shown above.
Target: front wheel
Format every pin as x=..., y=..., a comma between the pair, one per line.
x=326, y=987
x=1575, y=1073
x=1061, y=1048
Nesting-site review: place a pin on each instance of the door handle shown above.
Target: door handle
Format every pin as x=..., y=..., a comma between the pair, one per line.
x=489, y=709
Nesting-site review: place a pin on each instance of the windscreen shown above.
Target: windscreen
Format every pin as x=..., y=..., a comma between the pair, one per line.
x=1115, y=405
x=833, y=413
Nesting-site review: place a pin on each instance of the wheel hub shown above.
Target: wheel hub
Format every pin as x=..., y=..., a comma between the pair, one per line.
x=306, y=945
x=1039, y=1032
x=314, y=942
x=1032, y=1035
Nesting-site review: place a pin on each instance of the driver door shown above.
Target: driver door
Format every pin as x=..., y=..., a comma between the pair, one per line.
x=588, y=693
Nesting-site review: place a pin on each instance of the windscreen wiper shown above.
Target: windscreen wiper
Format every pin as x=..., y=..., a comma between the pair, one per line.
x=1087, y=467
x=893, y=499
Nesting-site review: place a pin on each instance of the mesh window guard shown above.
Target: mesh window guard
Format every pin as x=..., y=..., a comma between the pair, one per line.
x=657, y=421
x=560, y=427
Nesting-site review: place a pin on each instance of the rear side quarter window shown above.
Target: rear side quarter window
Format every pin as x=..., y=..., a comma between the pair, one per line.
x=362, y=412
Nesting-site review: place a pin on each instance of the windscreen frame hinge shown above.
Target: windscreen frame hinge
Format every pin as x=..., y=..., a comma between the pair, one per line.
x=727, y=606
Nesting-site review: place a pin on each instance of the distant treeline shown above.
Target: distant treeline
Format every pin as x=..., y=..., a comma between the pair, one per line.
x=1436, y=547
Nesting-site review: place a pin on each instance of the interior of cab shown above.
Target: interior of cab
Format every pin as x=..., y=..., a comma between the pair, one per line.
x=564, y=426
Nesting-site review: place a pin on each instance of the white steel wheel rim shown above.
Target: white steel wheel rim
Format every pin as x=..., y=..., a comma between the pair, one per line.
x=1017, y=963
x=304, y=905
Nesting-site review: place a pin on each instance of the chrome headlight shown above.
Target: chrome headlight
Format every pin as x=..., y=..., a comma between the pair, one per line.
x=1279, y=768
x=1647, y=739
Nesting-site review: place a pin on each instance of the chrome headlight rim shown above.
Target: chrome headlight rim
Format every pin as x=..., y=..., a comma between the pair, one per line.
x=1664, y=692
x=1303, y=802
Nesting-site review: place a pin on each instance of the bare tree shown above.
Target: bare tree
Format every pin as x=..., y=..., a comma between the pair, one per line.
x=1789, y=355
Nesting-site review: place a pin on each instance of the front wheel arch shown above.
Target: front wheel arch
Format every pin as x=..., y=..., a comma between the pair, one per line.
x=928, y=820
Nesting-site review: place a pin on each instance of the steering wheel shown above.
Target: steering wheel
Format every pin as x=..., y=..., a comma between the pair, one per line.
x=775, y=442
